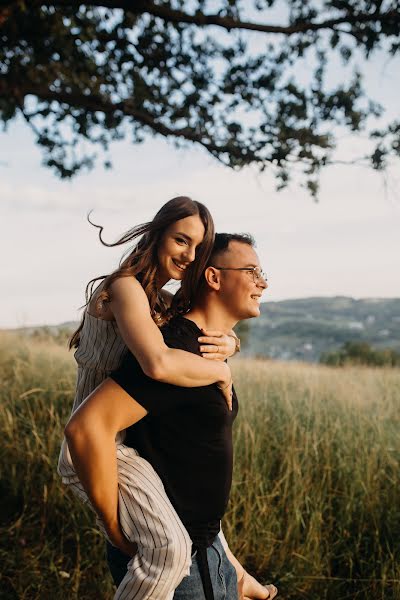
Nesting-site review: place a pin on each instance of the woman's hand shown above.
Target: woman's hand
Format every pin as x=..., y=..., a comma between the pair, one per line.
x=118, y=540
x=216, y=345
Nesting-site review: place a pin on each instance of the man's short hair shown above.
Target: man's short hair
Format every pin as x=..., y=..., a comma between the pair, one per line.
x=221, y=244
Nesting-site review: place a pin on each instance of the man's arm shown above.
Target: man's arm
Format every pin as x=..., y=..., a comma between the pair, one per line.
x=248, y=587
x=90, y=434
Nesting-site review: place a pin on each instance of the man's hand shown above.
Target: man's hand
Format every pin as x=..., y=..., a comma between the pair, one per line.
x=251, y=589
x=248, y=587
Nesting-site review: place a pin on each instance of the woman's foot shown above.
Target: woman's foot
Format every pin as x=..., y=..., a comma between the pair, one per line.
x=253, y=590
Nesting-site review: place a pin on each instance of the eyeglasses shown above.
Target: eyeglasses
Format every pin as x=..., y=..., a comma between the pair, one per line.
x=256, y=272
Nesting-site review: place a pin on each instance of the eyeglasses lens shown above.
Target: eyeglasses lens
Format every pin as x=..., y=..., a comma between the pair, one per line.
x=257, y=274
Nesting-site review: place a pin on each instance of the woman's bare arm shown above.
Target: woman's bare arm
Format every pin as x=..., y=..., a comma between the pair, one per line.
x=130, y=308
x=90, y=434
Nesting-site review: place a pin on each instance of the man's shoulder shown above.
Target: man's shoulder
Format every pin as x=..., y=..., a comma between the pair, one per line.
x=182, y=333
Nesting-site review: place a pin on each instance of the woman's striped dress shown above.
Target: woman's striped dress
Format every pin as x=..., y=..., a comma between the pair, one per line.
x=146, y=514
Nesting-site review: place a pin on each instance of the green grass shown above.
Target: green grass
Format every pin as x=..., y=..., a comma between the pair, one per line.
x=315, y=504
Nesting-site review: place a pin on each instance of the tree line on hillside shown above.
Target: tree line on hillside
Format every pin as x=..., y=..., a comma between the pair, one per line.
x=361, y=353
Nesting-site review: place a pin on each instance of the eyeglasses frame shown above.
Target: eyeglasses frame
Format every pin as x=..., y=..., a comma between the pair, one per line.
x=251, y=270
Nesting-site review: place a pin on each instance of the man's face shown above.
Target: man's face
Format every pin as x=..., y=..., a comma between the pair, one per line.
x=240, y=291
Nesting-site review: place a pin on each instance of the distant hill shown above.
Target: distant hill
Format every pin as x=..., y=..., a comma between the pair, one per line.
x=303, y=329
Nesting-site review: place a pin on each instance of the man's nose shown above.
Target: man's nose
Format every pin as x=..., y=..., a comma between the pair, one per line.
x=262, y=283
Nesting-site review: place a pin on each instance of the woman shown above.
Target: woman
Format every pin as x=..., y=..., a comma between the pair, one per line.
x=125, y=310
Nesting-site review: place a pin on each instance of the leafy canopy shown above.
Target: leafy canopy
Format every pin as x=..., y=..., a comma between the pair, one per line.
x=245, y=80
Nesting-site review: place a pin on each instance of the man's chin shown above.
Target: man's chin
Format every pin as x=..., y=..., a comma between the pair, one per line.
x=251, y=314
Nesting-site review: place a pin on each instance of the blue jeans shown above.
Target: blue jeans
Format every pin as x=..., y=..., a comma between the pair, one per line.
x=222, y=573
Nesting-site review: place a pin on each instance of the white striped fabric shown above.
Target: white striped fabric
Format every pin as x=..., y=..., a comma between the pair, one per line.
x=146, y=515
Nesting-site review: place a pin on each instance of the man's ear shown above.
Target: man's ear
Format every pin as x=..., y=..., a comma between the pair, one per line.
x=213, y=277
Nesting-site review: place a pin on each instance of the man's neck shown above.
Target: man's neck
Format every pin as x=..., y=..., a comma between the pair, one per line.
x=211, y=317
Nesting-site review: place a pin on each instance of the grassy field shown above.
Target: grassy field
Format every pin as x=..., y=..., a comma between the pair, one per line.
x=315, y=504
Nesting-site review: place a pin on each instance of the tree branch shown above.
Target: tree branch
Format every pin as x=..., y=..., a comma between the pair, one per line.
x=202, y=20
x=94, y=103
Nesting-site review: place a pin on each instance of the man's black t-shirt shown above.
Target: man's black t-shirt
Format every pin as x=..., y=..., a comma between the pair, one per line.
x=186, y=436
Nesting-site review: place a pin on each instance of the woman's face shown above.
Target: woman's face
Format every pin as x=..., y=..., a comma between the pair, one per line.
x=177, y=248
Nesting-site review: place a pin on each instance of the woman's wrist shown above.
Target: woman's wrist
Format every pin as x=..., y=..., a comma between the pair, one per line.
x=114, y=532
x=226, y=375
x=118, y=539
x=233, y=335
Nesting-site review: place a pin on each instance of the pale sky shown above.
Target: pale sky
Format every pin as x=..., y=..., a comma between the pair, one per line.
x=347, y=244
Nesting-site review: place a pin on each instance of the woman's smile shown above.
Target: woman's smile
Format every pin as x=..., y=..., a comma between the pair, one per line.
x=180, y=265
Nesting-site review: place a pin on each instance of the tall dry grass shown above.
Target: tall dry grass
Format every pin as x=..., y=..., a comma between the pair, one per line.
x=316, y=497
x=315, y=504
x=49, y=547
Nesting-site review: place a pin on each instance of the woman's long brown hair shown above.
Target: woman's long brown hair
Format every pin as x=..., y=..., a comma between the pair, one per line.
x=142, y=261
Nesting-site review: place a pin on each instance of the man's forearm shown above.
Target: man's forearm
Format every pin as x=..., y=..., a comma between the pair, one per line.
x=240, y=571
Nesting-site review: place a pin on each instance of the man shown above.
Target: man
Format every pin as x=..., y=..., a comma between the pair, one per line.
x=187, y=434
